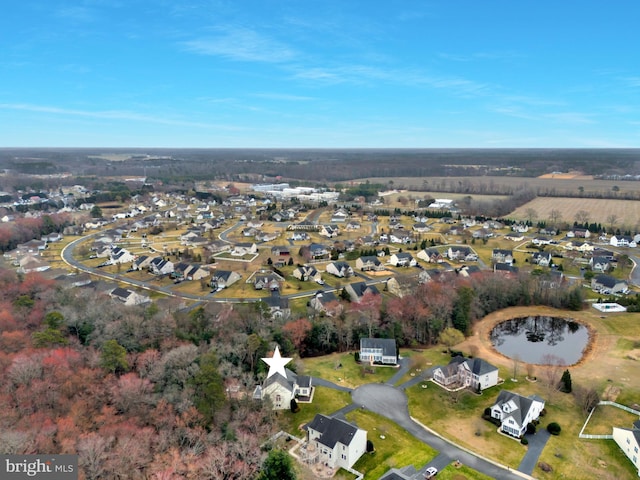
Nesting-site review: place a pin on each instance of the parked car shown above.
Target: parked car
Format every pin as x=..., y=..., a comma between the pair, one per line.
x=430, y=472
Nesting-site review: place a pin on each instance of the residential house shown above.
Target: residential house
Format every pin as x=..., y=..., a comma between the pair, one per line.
x=367, y=263
x=608, y=285
x=318, y=251
x=430, y=255
x=242, y=249
x=420, y=227
x=500, y=255
x=579, y=246
x=32, y=246
x=217, y=246
x=378, y=350
x=224, y=278
x=327, y=303
x=160, y=266
x=280, y=251
x=339, y=216
x=357, y=290
x=128, y=297
x=31, y=263
x=474, y=373
x=540, y=240
x=339, y=443
x=121, y=255
x=514, y=237
x=306, y=273
x=339, y=269
x=282, y=389
x=599, y=264
x=628, y=439
x=467, y=270
x=622, y=241
x=278, y=306
x=403, y=285
x=400, y=236
x=142, y=262
x=461, y=254
x=353, y=226
x=520, y=228
x=515, y=412
x=482, y=234
x=329, y=231
x=542, y=259
x=505, y=268
x=402, y=259
x=267, y=281
x=579, y=233
x=299, y=236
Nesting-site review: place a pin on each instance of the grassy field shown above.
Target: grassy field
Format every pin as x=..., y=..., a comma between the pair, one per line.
x=341, y=369
x=325, y=401
x=394, y=446
x=606, y=416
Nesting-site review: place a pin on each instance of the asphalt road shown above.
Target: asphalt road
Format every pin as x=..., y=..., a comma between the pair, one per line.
x=392, y=403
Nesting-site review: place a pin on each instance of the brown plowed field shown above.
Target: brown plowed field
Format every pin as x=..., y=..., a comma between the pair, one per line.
x=626, y=211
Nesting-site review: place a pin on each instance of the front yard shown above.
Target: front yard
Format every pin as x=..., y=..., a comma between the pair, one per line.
x=342, y=369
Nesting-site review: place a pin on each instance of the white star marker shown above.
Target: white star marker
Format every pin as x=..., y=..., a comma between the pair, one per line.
x=276, y=364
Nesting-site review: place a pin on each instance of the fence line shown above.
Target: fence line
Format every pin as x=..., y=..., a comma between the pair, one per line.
x=609, y=403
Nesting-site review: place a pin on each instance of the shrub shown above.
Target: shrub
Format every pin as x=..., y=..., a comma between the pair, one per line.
x=487, y=412
x=524, y=441
x=356, y=357
x=369, y=446
x=553, y=428
x=531, y=428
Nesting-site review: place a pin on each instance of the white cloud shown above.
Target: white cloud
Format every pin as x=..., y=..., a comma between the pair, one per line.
x=110, y=115
x=242, y=44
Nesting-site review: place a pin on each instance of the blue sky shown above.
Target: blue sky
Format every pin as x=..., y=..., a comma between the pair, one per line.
x=245, y=73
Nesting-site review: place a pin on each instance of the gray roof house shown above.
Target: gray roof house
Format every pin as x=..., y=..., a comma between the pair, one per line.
x=607, y=284
x=339, y=443
x=378, y=350
x=515, y=412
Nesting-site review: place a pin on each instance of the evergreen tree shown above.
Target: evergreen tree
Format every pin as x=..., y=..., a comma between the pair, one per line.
x=277, y=466
x=565, y=382
x=208, y=386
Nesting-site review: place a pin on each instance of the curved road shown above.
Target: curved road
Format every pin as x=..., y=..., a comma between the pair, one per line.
x=392, y=403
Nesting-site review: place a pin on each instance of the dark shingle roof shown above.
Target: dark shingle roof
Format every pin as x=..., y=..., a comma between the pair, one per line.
x=333, y=430
x=388, y=345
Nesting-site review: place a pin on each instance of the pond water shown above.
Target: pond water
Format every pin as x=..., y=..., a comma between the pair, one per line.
x=541, y=340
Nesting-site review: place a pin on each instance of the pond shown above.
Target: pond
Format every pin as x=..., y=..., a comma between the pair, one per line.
x=541, y=340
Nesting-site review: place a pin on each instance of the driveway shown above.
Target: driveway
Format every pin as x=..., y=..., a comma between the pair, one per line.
x=392, y=403
x=537, y=442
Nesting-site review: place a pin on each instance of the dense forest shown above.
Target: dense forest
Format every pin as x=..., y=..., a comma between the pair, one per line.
x=317, y=165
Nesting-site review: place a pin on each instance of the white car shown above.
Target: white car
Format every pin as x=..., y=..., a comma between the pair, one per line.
x=430, y=472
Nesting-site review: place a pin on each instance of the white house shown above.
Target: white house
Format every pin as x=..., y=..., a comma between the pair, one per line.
x=128, y=297
x=339, y=443
x=473, y=373
x=622, y=241
x=402, y=259
x=515, y=412
x=629, y=441
x=282, y=385
x=339, y=269
x=380, y=350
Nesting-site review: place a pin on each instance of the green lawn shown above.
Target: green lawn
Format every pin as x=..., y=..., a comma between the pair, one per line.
x=451, y=472
x=341, y=369
x=325, y=401
x=397, y=449
x=605, y=417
